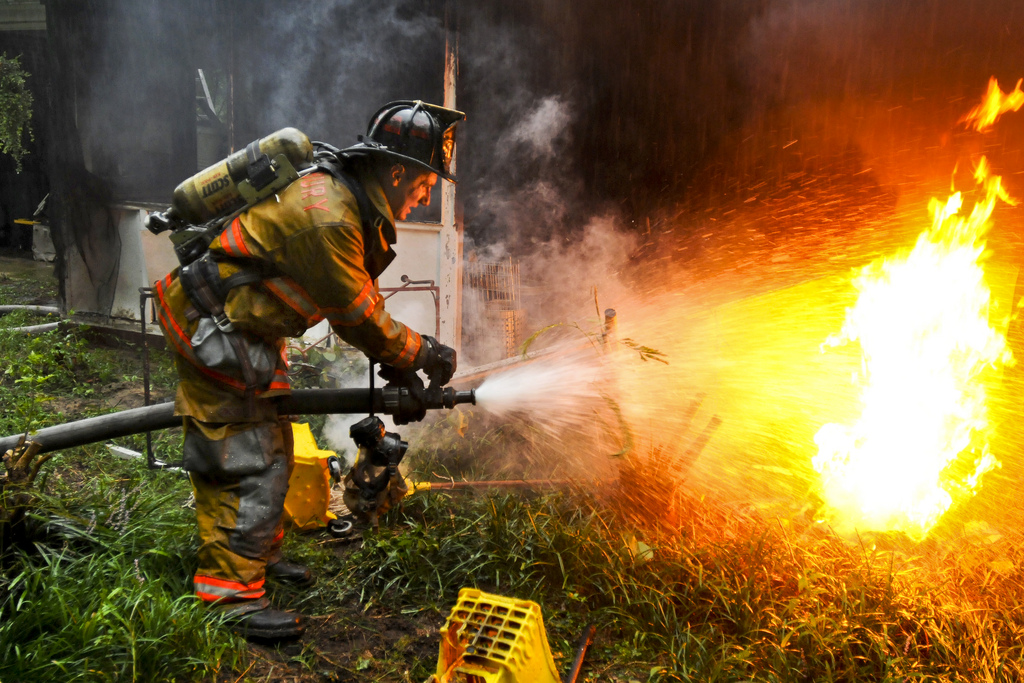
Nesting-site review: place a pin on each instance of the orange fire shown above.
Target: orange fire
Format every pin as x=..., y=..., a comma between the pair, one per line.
x=922, y=321
x=994, y=104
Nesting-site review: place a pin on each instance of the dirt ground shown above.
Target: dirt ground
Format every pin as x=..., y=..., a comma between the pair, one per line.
x=347, y=647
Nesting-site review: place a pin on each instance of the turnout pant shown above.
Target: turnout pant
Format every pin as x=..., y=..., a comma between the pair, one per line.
x=237, y=450
x=240, y=475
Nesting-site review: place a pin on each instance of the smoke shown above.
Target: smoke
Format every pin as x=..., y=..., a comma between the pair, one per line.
x=519, y=182
x=567, y=282
x=334, y=63
x=539, y=130
x=573, y=107
x=576, y=278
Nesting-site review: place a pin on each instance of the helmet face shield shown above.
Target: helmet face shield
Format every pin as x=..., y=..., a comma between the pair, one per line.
x=411, y=131
x=448, y=148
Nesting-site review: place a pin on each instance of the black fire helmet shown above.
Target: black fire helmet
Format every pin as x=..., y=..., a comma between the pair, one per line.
x=414, y=132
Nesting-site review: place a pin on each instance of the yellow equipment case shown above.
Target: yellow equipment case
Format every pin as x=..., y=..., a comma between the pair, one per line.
x=309, y=488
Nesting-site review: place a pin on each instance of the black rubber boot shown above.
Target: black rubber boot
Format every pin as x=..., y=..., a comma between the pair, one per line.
x=268, y=625
x=292, y=573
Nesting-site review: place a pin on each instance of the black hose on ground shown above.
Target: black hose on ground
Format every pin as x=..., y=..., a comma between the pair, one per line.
x=586, y=638
x=161, y=416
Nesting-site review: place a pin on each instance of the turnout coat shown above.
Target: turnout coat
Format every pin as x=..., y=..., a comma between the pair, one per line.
x=317, y=259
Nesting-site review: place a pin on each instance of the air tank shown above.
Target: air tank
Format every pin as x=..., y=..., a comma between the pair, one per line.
x=214, y=191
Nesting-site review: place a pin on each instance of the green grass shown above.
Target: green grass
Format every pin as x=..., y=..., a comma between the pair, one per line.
x=103, y=592
x=99, y=589
x=60, y=375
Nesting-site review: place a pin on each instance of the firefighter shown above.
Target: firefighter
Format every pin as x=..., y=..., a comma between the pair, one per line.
x=311, y=253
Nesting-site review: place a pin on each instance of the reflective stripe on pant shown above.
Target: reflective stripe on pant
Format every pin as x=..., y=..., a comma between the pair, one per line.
x=240, y=476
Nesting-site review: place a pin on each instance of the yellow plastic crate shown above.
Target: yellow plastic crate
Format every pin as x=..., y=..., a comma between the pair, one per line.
x=309, y=488
x=493, y=639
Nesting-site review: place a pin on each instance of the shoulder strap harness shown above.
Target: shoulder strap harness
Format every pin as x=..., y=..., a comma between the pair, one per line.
x=201, y=279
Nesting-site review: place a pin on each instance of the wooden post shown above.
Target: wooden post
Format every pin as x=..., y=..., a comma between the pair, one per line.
x=451, y=233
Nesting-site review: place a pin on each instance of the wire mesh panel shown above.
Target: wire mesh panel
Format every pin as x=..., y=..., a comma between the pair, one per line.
x=497, y=284
x=497, y=281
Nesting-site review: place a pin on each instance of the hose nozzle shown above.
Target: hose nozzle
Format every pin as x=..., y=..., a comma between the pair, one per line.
x=451, y=398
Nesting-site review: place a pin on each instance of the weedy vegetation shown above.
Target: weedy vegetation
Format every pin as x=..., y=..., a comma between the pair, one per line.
x=15, y=108
x=95, y=583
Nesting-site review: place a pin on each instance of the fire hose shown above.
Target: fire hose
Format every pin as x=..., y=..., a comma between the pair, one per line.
x=405, y=404
x=39, y=310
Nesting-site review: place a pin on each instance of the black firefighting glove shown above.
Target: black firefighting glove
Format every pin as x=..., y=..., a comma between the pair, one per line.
x=437, y=361
x=399, y=378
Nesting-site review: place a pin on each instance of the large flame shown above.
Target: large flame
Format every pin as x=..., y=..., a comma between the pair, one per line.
x=994, y=104
x=922, y=321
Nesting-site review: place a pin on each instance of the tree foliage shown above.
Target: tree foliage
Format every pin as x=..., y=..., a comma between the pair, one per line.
x=15, y=108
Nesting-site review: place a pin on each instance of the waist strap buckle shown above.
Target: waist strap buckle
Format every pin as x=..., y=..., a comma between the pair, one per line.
x=222, y=323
